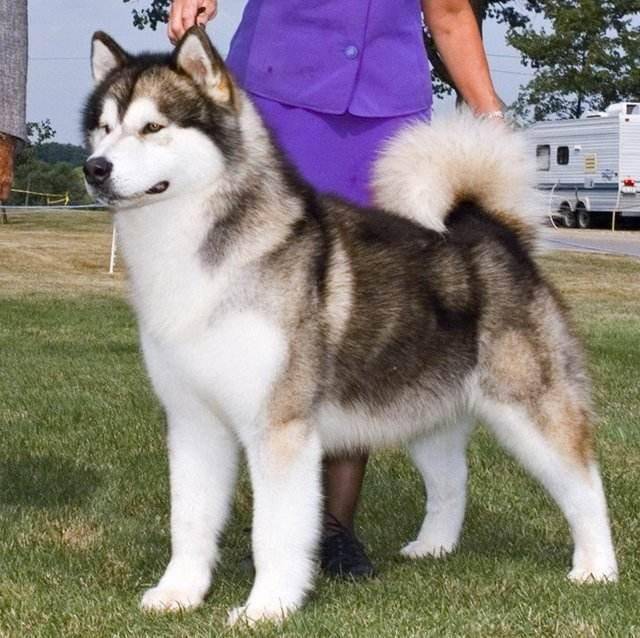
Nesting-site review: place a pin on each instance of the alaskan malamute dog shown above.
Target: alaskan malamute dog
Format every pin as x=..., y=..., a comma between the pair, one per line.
x=295, y=325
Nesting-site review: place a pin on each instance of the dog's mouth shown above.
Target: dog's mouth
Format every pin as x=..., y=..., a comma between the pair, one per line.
x=160, y=187
x=107, y=196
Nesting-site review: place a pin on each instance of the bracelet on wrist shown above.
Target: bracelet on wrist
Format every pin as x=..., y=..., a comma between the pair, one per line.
x=492, y=115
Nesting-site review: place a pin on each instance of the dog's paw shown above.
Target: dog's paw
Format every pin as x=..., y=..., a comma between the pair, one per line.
x=421, y=549
x=166, y=599
x=250, y=614
x=585, y=575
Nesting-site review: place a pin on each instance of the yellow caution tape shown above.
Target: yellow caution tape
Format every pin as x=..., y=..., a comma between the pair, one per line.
x=52, y=198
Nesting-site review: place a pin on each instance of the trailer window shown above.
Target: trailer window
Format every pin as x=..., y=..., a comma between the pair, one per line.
x=543, y=157
x=562, y=156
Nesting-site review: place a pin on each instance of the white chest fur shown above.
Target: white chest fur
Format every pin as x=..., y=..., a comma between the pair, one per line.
x=230, y=367
x=173, y=293
x=199, y=342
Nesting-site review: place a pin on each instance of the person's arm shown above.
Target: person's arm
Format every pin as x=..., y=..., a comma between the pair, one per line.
x=454, y=29
x=183, y=15
x=13, y=84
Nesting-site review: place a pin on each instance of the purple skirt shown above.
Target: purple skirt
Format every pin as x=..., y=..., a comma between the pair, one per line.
x=334, y=153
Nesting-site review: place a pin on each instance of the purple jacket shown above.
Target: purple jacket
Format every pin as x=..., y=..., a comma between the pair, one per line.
x=364, y=57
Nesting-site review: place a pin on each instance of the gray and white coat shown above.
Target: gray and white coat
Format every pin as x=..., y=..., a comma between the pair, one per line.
x=292, y=324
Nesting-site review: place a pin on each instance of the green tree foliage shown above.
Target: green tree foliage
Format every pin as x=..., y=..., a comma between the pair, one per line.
x=43, y=177
x=40, y=132
x=48, y=167
x=156, y=13
x=586, y=55
x=52, y=152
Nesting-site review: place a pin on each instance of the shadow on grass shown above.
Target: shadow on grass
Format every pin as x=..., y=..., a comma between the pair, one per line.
x=501, y=537
x=45, y=481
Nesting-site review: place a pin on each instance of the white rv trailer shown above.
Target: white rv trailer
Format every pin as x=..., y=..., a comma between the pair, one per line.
x=590, y=167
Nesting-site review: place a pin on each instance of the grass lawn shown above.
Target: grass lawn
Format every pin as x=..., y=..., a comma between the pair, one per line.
x=84, y=489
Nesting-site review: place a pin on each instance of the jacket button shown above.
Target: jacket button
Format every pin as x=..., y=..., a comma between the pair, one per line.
x=351, y=52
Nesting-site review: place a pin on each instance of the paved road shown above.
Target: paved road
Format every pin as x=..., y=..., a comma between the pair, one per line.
x=620, y=242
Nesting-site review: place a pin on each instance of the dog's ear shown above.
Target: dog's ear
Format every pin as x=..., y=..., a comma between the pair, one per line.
x=196, y=56
x=106, y=55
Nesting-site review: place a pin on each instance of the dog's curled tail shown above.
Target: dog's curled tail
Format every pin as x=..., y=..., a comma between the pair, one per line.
x=424, y=171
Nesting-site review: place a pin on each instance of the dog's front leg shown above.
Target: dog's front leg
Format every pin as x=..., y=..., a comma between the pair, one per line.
x=202, y=461
x=285, y=465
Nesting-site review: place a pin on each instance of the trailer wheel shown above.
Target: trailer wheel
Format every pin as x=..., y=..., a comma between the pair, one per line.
x=585, y=219
x=568, y=216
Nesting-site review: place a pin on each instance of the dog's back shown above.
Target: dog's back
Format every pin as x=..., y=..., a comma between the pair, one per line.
x=433, y=320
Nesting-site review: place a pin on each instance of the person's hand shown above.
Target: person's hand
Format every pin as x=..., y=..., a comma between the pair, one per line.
x=7, y=149
x=184, y=13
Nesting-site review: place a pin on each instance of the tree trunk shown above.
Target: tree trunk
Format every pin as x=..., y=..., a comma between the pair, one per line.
x=579, y=109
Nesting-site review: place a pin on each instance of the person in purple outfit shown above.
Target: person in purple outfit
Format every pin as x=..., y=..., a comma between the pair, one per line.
x=333, y=79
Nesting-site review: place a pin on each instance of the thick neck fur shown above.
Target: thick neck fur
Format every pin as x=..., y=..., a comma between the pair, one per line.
x=185, y=255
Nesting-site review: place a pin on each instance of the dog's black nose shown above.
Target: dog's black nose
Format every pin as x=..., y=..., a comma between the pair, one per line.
x=97, y=170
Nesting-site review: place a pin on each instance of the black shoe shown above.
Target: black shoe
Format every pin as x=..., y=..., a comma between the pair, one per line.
x=341, y=553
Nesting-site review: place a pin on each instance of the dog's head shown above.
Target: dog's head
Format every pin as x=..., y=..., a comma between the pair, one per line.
x=158, y=126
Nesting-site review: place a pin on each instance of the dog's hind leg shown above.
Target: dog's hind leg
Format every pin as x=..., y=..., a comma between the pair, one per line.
x=557, y=451
x=203, y=465
x=440, y=457
x=284, y=463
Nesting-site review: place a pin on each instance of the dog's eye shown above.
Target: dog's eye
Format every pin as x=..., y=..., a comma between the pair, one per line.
x=106, y=128
x=152, y=127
